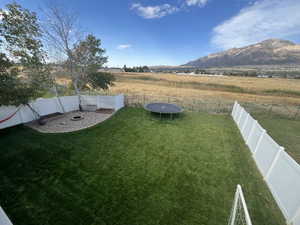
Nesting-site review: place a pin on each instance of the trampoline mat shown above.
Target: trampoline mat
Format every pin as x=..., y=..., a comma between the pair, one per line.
x=163, y=108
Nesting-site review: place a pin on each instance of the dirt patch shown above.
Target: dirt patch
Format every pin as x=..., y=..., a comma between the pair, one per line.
x=105, y=111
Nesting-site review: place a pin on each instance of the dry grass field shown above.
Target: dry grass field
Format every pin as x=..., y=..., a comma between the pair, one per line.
x=225, y=88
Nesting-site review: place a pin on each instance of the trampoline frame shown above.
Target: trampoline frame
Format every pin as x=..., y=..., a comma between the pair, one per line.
x=178, y=111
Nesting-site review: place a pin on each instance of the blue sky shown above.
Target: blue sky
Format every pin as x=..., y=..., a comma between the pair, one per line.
x=165, y=32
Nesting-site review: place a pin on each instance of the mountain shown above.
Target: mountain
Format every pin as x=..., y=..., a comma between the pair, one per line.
x=269, y=52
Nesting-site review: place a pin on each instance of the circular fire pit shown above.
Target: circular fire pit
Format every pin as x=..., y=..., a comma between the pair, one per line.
x=77, y=118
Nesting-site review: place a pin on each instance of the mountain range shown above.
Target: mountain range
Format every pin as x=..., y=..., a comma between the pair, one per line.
x=268, y=52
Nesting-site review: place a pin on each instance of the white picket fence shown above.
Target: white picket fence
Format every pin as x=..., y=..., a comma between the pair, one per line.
x=280, y=171
x=46, y=106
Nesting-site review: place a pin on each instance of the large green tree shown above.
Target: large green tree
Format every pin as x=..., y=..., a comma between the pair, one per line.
x=23, y=73
x=89, y=58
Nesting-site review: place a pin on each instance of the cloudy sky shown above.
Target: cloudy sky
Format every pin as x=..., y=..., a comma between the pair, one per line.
x=173, y=32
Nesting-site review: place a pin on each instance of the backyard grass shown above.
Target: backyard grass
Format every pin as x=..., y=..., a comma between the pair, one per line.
x=132, y=169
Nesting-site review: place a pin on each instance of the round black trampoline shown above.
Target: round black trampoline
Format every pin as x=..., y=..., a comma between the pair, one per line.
x=163, y=108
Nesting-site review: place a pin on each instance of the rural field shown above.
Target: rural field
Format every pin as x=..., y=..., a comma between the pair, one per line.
x=225, y=88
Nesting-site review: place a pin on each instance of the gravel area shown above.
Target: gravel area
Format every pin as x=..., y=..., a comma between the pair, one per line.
x=63, y=123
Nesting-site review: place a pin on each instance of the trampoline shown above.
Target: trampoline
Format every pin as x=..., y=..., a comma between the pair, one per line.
x=163, y=109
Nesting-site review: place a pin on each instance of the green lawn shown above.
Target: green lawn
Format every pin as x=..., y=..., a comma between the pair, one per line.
x=132, y=169
x=284, y=131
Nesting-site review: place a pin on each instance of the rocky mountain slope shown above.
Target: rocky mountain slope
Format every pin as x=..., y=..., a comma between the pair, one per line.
x=269, y=52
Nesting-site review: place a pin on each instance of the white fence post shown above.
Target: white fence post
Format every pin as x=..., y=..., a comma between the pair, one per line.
x=281, y=149
x=234, y=109
x=259, y=141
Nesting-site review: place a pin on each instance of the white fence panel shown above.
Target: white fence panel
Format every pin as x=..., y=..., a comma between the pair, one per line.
x=241, y=117
x=106, y=102
x=119, y=102
x=255, y=137
x=244, y=119
x=237, y=113
x=296, y=219
x=46, y=106
x=26, y=114
x=7, y=111
x=284, y=182
x=70, y=103
x=266, y=153
x=247, y=127
x=4, y=220
x=88, y=100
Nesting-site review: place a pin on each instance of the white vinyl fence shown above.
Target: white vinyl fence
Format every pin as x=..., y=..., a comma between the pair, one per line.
x=280, y=171
x=46, y=106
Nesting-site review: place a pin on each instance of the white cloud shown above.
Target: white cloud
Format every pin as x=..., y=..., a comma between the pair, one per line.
x=153, y=12
x=260, y=21
x=125, y=46
x=196, y=2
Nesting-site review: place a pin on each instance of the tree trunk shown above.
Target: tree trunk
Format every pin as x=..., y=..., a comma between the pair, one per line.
x=34, y=111
x=74, y=77
x=57, y=96
x=77, y=91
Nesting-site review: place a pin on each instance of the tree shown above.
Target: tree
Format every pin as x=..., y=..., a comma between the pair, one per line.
x=21, y=47
x=146, y=69
x=61, y=34
x=89, y=57
x=82, y=57
x=101, y=80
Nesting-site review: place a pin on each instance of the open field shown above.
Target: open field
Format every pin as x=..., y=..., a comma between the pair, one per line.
x=132, y=169
x=243, y=89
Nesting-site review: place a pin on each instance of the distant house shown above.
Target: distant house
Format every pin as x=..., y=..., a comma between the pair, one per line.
x=111, y=70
